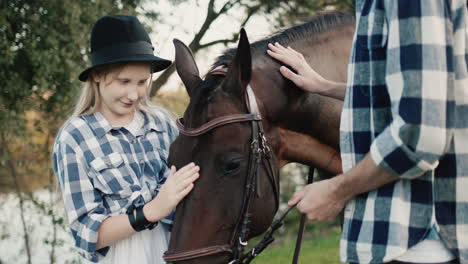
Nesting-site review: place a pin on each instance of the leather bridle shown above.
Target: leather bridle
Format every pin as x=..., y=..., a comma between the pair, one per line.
x=260, y=152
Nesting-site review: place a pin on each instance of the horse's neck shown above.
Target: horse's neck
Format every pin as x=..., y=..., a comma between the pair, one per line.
x=309, y=127
x=328, y=54
x=317, y=115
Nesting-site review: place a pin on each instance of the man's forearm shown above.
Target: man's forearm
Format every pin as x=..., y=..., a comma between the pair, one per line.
x=333, y=89
x=364, y=177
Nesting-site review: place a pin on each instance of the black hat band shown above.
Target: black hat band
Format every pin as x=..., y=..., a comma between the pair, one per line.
x=110, y=53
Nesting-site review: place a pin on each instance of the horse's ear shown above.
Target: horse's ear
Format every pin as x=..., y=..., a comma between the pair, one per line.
x=240, y=69
x=186, y=66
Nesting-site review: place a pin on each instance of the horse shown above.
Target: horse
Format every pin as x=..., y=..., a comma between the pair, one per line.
x=243, y=122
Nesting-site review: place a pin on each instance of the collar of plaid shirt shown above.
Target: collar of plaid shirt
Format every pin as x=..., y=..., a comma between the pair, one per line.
x=101, y=126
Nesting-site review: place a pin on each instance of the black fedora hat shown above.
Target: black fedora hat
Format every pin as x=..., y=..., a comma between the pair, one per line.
x=121, y=38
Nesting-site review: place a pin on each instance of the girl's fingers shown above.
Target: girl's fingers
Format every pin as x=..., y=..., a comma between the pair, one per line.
x=284, y=58
x=184, y=169
x=187, y=173
x=299, y=57
x=279, y=46
x=295, y=52
x=272, y=47
x=286, y=55
x=185, y=191
x=276, y=47
x=291, y=75
x=187, y=181
x=279, y=56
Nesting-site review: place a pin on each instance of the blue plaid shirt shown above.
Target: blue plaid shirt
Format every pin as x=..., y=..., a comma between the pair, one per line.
x=103, y=171
x=407, y=105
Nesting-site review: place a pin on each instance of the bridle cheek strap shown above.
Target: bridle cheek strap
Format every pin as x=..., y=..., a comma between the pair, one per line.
x=197, y=253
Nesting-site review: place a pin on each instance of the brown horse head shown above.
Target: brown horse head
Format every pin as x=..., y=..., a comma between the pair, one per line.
x=214, y=220
x=217, y=206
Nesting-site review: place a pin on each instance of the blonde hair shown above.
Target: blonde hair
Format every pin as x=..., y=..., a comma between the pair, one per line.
x=90, y=97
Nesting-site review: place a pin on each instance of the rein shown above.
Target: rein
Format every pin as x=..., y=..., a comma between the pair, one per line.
x=260, y=151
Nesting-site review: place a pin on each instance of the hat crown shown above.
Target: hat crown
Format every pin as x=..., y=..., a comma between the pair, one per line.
x=115, y=30
x=121, y=38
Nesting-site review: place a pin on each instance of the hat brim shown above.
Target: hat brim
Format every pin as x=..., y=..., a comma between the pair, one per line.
x=157, y=64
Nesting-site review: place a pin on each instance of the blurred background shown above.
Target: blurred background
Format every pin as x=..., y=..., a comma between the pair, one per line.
x=44, y=46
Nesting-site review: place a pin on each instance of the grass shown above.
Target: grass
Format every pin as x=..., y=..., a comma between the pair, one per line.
x=323, y=249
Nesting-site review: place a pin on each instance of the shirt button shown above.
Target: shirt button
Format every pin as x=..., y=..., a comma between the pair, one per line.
x=134, y=141
x=142, y=161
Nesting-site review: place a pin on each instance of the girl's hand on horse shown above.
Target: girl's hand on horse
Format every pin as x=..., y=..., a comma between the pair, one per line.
x=319, y=201
x=176, y=187
x=304, y=77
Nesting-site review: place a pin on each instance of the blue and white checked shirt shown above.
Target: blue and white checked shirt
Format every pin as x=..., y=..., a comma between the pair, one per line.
x=103, y=171
x=407, y=104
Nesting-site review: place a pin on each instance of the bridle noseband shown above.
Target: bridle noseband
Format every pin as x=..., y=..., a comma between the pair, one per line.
x=260, y=152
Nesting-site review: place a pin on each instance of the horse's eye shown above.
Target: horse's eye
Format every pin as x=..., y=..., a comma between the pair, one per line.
x=232, y=165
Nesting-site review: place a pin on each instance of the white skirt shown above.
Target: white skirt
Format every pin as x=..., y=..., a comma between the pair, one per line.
x=147, y=246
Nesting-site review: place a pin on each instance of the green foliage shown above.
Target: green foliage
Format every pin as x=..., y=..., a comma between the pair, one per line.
x=43, y=46
x=322, y=248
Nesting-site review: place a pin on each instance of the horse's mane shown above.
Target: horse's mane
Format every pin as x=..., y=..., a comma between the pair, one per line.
x=314, y=27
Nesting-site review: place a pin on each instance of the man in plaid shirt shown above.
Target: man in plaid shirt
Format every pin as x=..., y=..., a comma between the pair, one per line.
x=404, y=134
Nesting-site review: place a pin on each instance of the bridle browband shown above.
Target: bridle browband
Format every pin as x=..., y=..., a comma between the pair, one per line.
x=220, y=121
x=260, y=151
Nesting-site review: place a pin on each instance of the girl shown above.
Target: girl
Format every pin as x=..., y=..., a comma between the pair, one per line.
x=110, y=157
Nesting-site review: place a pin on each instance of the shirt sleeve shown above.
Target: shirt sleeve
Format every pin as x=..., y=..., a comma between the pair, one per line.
x=83, y=203
x=419, y=82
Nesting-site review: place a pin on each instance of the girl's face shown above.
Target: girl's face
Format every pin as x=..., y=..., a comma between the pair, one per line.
x=121, y=92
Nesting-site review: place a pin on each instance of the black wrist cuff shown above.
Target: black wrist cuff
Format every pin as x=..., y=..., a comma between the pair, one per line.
x=132, y=220
x=142, y=221
x=138, y=220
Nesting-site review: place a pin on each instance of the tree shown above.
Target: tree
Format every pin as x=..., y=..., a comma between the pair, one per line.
x=281, y=12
